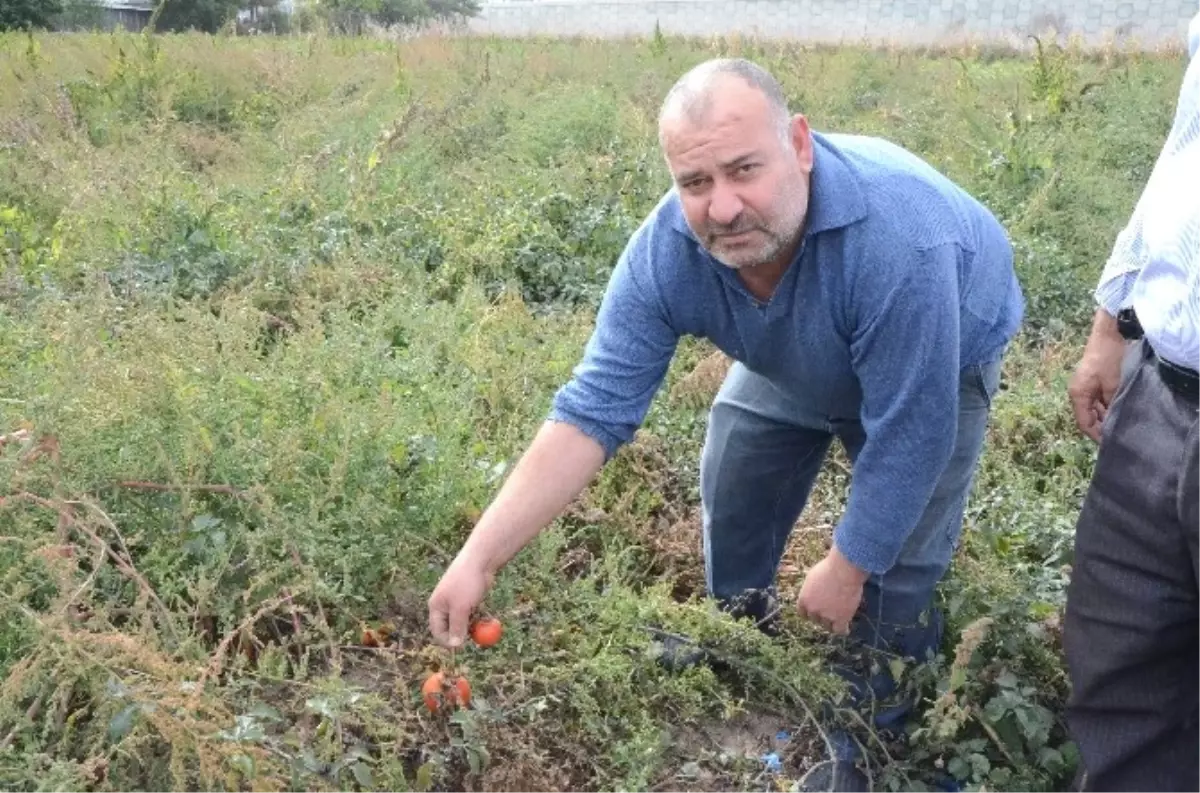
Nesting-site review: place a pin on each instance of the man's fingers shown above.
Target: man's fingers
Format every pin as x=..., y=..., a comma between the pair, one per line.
x=1083, y=408
x=458, y=626
x=1090, y=427
x=1095, y=421
x=816, y=619
x=438, y=622
x=809, y=616
x=1089, y=413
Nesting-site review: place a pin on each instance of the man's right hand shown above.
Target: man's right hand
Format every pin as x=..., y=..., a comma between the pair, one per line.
x=461, y=590
x=1098, y=375
x=549, y=476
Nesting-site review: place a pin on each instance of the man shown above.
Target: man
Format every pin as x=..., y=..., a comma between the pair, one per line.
x=861, y=294
x=1130, y=632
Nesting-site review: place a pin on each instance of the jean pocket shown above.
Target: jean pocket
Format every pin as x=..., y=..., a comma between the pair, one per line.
x=985, y=382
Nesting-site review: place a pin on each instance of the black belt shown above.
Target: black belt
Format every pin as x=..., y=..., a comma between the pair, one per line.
x=1180, y=379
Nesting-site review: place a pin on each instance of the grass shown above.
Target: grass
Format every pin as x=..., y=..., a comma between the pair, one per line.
x=277, y=314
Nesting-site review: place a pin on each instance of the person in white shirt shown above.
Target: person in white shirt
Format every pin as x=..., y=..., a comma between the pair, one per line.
x=1132, y=627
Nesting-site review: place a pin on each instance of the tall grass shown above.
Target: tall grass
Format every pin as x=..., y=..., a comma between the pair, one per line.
x=277, y=314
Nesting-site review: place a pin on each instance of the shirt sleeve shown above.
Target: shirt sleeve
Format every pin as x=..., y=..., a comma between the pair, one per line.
x=1125, y=263
x=626, y=358
x=905, y=352
x=1123, y=266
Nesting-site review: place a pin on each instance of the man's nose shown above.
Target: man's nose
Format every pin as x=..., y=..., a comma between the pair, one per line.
x=724, y=206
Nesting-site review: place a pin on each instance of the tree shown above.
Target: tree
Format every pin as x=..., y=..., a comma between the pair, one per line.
x=79, y=15
x=448, y=9
x=352, y=16
x=204, y=15
x=408, y=12
x=28, y=14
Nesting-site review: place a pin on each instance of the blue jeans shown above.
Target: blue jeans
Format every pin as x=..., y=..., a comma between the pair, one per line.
x=762, y=454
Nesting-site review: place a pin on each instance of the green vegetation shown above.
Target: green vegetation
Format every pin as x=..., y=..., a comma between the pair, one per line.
x=27, y=14
x=276, y=314
x=352, y=17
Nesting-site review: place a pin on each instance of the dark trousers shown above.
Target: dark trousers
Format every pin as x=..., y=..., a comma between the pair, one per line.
x=1131, y=628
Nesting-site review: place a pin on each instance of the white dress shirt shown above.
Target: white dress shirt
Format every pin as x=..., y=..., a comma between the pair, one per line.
x=1194, y=35
x=1155, y=263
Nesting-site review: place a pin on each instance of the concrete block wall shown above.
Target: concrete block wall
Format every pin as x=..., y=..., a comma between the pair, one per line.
x=1149, y=23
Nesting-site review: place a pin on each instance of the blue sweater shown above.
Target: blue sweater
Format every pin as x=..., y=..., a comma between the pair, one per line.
x=901, y=280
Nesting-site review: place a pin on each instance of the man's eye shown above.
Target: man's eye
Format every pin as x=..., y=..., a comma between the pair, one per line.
x=748, y=167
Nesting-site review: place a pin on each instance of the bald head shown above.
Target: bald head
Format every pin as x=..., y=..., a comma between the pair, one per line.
x=706, y=88
x=739, y=161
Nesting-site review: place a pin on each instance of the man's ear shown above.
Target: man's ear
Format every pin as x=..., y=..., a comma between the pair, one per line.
x=802, y=142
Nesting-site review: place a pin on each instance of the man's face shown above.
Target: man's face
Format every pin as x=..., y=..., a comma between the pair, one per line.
x=743, y=190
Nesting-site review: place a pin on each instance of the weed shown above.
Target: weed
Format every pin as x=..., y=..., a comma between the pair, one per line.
x=278, y=313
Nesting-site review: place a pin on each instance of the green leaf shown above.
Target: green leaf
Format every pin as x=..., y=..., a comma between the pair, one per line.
x=896, y=666
x=322, y=706
x=958, y=768
x=310, y=761
x=424, y=780
x=357, y=752
x=362, y=774
x=1008, y=732
x=980, y=765
x=244, y=764
x=122, y=723
x=247, y=728
x=205, y=522
x=1040, y=610
x=995, y=709
x=1051, y=760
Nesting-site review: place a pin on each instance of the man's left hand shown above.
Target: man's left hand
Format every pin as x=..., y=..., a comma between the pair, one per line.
x=832, y=591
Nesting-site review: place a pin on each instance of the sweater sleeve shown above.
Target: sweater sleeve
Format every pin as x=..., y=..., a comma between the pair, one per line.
x=626, y=358
x=905, y=352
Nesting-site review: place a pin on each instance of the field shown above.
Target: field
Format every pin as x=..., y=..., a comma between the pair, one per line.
x=277, y=314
